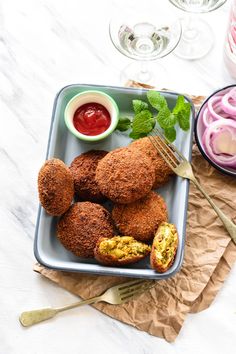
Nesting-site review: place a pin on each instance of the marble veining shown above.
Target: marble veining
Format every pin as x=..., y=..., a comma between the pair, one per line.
x=45, y=45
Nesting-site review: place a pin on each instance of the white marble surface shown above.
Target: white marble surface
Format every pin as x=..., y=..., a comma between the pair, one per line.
x=45, y=45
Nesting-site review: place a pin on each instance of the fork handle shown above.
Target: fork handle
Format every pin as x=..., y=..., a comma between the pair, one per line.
x=29, y=318
x=92, y=300
x=228, y=223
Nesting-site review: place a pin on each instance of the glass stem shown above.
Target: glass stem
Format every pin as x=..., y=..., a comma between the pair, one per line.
x=144, y=75
x=190, y=31
x=144, y=68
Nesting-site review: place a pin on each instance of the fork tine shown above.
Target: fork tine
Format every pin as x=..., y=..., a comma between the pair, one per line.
x=166, y=146
x=129, y=283
x=165, y=142
x=131, y=288
x=170, y=145
x=140, y=290
x=163, y=151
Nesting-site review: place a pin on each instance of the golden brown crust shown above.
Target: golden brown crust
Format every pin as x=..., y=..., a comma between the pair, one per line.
x=82, y=225
x=125, y=175
x=83, y=169
x=162, y=170
x=164, y=248
x=141, y=218
x=112, y=260
x=159, y=268
x=55, y=187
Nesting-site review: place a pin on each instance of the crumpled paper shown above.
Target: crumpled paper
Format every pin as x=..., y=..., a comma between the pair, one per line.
x=209, y=256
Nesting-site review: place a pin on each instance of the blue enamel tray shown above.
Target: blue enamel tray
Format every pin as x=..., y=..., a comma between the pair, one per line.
x=63, y=145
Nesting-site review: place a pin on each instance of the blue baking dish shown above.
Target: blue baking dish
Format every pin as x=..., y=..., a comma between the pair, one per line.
x=63, y=145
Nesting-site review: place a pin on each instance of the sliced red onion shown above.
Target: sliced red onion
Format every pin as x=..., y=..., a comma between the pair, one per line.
x=229, y=103
x=207, y=118
x=211, y=106
x=218, y=128
x=224, y=143
x=232, y=93
x=218, y=110
x=220, y=152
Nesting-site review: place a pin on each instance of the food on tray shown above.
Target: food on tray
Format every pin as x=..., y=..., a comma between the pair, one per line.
x=120, y=250
x=162, y=170
x=83, y=169
x=164, y=247
x=218, y=119
x=141, y=218
x=92, y=119
x=55, y=187
x=144, y=121
x=125, y=175
x=82, y=225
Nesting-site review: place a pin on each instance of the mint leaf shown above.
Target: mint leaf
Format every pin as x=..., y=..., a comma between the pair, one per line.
x=183, y=117
x=170, y=134
x=134, y=135
x=180, y=104
x=156, y=100
x=142, y=124
x=139, y=106
x=166, y=119
x=123, y=124
x=182, y=111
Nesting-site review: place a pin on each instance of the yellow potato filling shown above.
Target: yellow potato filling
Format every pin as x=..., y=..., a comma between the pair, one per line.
x=123, y=247
x=165, y=243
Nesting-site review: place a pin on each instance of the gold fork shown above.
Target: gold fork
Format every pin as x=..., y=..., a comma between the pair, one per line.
x=116, y=295
x=182, y=167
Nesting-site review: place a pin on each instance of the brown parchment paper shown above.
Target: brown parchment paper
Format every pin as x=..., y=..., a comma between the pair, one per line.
x=209, y=256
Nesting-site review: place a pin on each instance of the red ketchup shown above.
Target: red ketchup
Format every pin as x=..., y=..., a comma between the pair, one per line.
x=91, y=119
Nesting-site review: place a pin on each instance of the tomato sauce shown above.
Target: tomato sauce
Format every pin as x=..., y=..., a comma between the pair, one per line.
x=92, y=119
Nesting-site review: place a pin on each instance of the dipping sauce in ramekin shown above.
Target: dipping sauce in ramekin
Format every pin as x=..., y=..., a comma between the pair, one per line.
x=91, y=115
x=92, y=119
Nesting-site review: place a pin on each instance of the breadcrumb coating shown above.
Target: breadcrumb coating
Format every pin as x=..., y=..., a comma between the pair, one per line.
x=141, y=218
x=83, y=169
x=55, y=187
x=82, y=225
x=162, y=170
x=125, y=175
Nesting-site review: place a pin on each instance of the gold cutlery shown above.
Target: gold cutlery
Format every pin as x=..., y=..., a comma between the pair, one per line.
x=182, y=167
x=116, y=295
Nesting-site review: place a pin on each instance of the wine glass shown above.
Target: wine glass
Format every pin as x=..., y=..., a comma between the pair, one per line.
x=144, y=37
x=197, y=37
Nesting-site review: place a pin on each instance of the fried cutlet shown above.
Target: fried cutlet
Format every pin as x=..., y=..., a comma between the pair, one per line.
x=141, y=218
x=83, y=169
x=55, y=187
x=162, y=170
x=82, y=225
x=125, y=175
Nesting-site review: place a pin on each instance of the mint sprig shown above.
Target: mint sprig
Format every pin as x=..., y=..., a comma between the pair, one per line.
x=123, y=124
x=144, y=119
